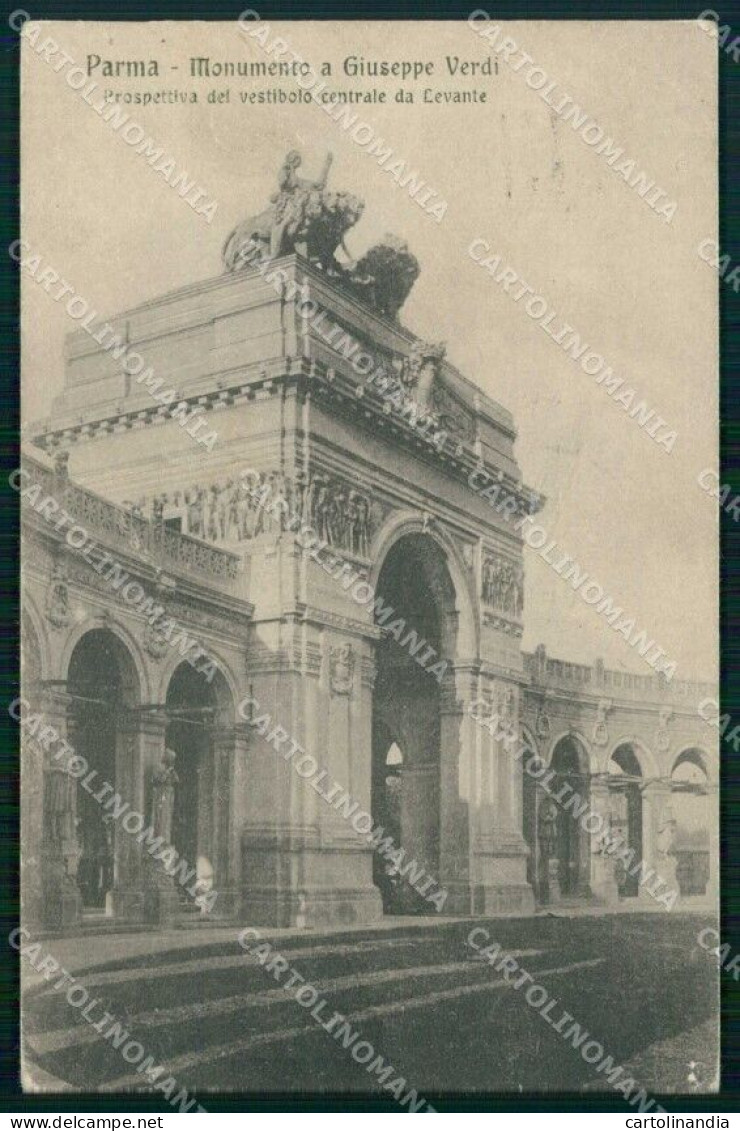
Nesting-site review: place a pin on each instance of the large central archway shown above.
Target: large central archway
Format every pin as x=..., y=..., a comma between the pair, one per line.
x=412, y=658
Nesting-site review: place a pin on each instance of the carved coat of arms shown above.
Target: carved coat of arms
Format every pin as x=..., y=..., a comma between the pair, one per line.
x=57, y=597
x=341, y=669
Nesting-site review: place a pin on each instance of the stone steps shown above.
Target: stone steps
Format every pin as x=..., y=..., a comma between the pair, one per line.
x=219, y=997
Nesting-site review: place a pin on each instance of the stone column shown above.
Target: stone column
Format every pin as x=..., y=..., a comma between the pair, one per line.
x=228, y=744
x=420, y=830
x=302, y=860
x=487, y=822
x=338, y=870
x=603, y=880
x=32, y=831
x=61, y=851
x=459, y=789
x=128, y=876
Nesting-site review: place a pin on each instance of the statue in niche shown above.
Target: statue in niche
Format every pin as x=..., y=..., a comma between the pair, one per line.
x=59, y=807
x=164, y=782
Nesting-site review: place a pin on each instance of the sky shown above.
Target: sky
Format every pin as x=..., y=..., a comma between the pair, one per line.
x=512, y=173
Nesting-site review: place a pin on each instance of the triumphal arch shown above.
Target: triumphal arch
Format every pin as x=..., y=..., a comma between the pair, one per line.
x=281, y=550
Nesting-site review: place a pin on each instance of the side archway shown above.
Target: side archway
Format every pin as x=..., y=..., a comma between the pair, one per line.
x=571, y=842
x=692, y=813
x=104, y=690
x=626, y=776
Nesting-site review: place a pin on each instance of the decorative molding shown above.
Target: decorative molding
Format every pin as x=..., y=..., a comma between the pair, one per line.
x=542, y=724
x=502, y=624
x=56, y=601
x=329, y=619
x=341, y=669
x=155, y=643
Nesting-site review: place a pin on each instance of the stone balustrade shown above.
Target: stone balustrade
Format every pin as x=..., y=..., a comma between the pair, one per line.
x=118, y=527
x=599, y=680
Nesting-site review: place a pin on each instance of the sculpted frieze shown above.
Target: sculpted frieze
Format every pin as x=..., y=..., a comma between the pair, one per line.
x=267, y=504
x=502, y=585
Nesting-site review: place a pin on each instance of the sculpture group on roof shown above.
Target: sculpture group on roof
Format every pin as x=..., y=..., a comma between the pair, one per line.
x=304, y=218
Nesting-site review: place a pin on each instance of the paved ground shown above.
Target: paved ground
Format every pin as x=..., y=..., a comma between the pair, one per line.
x=217, y=1020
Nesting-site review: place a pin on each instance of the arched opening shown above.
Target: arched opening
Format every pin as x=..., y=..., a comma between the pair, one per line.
x=570, y=840
x=197, y=711
x=103, y=686
x=692, y=813
x=415, y=582
x=625, y=783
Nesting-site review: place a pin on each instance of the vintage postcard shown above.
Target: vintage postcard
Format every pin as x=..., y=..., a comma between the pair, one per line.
x=369, y=718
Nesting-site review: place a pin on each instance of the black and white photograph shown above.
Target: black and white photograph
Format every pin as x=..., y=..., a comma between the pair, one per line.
x=369, y=717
